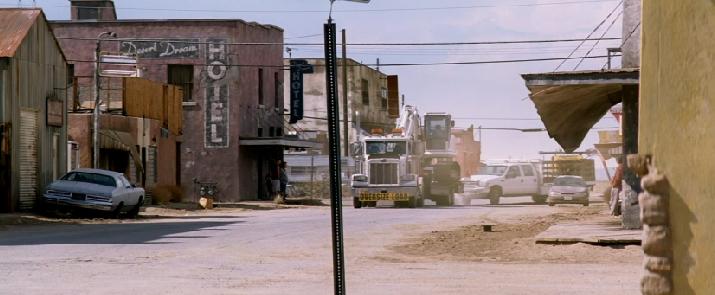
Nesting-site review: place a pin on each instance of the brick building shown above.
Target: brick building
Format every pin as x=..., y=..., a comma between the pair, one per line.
x=233, y=97
x=468, y=150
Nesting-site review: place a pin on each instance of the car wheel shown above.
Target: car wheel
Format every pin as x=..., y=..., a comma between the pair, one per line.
x=135, y=210
x=420, y=202
x=585, y=204
x=117, y=211
x=494, y=194
x=551, y=204
x=539, y=199
x=356, y=203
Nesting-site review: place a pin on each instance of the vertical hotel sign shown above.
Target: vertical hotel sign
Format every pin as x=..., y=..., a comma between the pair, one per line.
x=216, y=104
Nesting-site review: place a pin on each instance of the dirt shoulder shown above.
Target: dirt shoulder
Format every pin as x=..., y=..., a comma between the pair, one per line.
x=514, y=241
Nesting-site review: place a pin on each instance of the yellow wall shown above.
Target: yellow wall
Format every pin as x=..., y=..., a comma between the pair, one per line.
x=677, y=126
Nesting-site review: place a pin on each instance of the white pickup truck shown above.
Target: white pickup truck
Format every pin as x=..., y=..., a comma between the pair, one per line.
x=506, y=179
x=524, y=178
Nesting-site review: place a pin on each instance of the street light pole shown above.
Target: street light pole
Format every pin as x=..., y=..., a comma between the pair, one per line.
x=95, y=117
x=331, y=84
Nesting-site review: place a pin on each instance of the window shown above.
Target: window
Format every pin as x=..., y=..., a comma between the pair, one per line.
x=93, y=178
x=260, y=86
x=91, y=13
x=383, y=98
x=183, y=76
x=277, y=91
x=528, y=170
x=514, y=170
x=124, y=181
x=365, y=89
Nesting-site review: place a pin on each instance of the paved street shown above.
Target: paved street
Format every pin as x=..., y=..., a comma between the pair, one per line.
x=288, y=252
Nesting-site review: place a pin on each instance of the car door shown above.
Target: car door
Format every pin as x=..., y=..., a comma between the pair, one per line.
x=511, y=184
x=529, y=183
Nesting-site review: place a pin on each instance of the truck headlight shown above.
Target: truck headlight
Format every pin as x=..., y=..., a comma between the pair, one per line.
x=359, y=180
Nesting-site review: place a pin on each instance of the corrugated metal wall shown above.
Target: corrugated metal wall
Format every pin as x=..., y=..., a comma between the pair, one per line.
x=36, y=72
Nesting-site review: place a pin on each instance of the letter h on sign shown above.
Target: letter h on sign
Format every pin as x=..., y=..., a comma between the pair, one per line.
x=298, y=67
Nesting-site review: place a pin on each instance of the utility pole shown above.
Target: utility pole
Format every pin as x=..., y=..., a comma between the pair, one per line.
x=346, y=134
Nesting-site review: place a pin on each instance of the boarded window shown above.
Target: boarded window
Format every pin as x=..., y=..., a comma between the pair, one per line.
x=277, y=91
x=182, y=76
x=91, y=13
x=383, y=98
x=365, y=89
x=260, y=86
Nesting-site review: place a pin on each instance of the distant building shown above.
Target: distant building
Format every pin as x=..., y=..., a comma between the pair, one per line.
x=33, y=121
x=468, y=150
x=233, y=94
x=367, y=101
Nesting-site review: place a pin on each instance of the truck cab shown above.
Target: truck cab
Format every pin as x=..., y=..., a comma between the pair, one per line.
x=387, y=171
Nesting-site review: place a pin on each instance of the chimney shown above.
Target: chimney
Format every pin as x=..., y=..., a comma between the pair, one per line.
x=93, y=10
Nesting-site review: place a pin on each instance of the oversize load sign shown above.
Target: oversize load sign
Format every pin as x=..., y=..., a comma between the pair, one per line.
x=216, y=104
x=161, y=49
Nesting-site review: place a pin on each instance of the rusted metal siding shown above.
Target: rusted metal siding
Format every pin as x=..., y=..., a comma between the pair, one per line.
x=37, y=71
x=14, y=24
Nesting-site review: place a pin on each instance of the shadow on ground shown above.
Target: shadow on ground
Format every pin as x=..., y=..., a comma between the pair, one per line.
x=121, y=233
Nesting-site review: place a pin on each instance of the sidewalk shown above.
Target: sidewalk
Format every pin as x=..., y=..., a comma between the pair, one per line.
x=599, y=229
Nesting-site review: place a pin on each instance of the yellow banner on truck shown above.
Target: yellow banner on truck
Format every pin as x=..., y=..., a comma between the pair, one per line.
x=370, y=197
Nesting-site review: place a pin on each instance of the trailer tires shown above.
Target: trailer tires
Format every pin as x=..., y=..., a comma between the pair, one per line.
x=356, y=203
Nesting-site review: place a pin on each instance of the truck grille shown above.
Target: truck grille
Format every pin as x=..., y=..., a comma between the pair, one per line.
x=384, y=173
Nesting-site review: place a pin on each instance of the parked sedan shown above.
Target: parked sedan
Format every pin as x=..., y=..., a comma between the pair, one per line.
x=568, y=189
x=95, y=189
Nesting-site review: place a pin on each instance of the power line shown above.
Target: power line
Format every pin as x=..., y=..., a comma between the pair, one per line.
x=595, y=44
x=284, y=67
x=414, y=9
x=349, y=44
x=624, y=41
x=591, y=33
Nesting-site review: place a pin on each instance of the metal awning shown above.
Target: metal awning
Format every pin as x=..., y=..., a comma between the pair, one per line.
x=570, y=103
x=282, y=142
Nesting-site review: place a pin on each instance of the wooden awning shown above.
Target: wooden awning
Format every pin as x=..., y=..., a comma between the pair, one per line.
x=570, y=103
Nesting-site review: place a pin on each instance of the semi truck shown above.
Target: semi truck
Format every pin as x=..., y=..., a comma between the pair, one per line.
x=387, y=164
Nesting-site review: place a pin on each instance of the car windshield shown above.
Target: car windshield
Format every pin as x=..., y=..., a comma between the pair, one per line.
x=94, y=178
x=493, y=170
x=569, y=181
x=386, y=147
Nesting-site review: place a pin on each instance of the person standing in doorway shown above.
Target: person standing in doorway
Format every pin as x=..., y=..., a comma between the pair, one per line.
x=283, y=180
x=275, y=178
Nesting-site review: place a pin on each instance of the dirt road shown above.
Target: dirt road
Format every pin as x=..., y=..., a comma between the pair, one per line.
x=388, y=251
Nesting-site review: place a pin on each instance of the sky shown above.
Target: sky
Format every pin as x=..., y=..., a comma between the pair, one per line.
x=473, y=94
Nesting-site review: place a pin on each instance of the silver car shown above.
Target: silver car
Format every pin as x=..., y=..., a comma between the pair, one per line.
x=97, y=190
x=568, y=189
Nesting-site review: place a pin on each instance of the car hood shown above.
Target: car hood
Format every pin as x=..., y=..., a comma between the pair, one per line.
x=568, y=189
x=483, y=178
x=81, y=187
